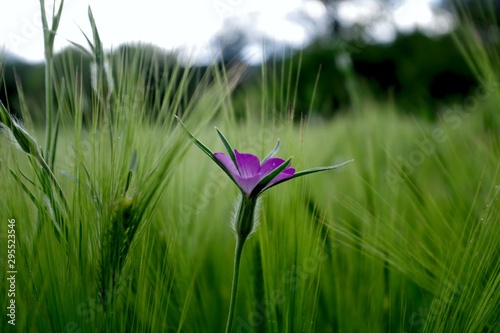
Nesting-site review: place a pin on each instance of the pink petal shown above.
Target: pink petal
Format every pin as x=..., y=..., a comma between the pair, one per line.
x=285, y=174
x=248, y=184
x=250, y=171
x=269, y=165
x=228, y=164
x=248, y=164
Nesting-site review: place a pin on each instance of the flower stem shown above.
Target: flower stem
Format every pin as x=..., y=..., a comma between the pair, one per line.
x=234, y=287
x=243, y=227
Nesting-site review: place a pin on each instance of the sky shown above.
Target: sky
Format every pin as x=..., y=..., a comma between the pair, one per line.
x=402, y=16
x=190, y=25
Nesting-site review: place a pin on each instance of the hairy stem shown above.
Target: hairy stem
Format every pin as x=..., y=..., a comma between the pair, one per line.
x=234, y=287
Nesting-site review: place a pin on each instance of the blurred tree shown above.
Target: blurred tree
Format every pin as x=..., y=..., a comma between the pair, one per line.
x=230, y=43
x=16, y=74
x=422, y=72
x=419, y=72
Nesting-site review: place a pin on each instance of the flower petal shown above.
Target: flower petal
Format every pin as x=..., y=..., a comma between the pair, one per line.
x=269, y=165
x=285, y=174
x=247, y=184
x=266, y=179
x=248, y=164
x=228, y=164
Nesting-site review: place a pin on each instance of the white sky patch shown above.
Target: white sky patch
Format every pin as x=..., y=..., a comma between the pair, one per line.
x=154, y=22
x=418, y=14
x=253, y=54
x=358, y=11
x=406, y=16
x=315, y=10
x=282, y=30
x=190, y=25
x=412, y=15
x=382, y=32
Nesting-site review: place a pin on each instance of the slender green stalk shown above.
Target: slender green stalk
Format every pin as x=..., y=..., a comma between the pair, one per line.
x=48, y=77
x=243, y=226
x=48, y=38
x=234, y=287
x=53, y=178
x=49, y=68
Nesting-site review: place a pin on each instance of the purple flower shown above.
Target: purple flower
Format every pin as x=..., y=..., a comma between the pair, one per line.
x=252, y=177
x=248, y=172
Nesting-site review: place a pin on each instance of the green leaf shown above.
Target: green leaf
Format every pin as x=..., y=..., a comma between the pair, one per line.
x=133, y=162
x=45, y=24
x=310, y=171
x=272, y=153
x=5, y=116
x=52, y=157
x=263, y=183
x=27, y=178
x=57, y=18
x=206, y=150
x=319, y=169
x=133, y=165
x=88, y=41
x=93, y=192
x=81, y=47
x=98, y=50
x=127, y=182
x=229, y=149
x=23, y=138
x=26, y=190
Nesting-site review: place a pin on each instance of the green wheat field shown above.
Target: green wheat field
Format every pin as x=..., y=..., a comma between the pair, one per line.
x=119, y=223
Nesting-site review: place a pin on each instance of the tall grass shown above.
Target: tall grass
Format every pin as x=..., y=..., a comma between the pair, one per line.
x=403, y=240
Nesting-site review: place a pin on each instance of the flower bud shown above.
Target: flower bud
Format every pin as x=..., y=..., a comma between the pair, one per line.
x=246, y=219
